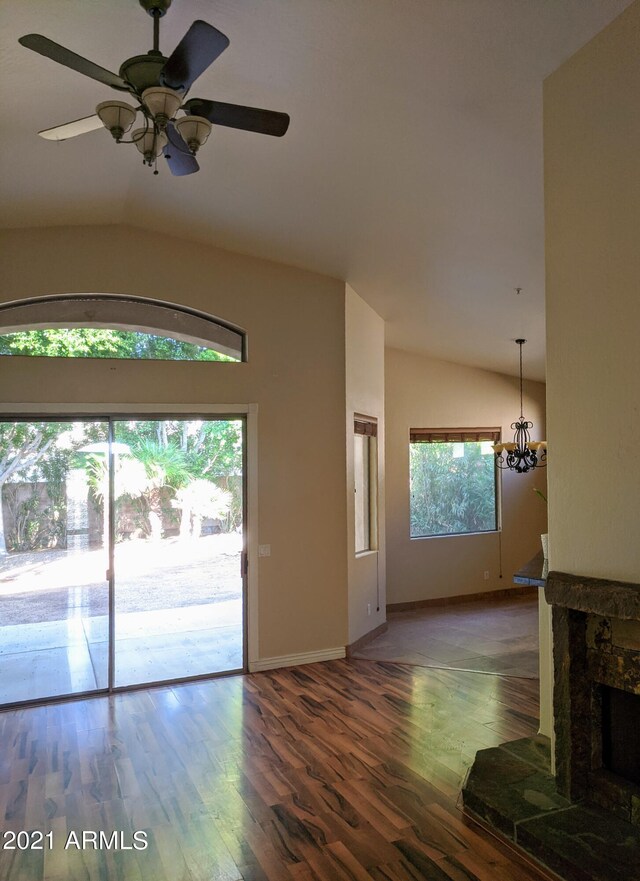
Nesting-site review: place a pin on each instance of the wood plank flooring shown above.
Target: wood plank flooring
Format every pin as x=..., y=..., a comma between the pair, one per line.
x=340, y=771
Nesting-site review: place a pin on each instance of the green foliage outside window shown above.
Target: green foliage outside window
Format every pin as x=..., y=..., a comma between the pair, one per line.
x=451, y=493
x=165, y=456
x=95, y=342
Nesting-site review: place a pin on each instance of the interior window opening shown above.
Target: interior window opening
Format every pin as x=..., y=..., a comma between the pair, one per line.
x=365, y=459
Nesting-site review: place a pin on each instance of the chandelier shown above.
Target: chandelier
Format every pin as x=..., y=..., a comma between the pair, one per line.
x=522, y=454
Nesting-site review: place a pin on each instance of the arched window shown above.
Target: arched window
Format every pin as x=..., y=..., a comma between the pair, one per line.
x=111, y=326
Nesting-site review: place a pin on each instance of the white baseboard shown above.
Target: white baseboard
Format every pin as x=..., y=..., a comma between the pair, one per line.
x=295, y=660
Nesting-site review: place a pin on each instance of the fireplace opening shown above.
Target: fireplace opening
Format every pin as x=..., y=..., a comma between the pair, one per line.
x=621, y=733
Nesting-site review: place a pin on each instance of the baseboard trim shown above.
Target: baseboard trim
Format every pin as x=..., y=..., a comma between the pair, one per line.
x=520, y=590
x=366, y=639
x=296, y=660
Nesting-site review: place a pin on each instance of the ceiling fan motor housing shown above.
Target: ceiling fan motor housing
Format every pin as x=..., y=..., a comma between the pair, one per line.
x=143, y=71
x=155, y=7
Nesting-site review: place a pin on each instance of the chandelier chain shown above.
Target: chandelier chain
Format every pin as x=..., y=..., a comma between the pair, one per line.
x=521, y=405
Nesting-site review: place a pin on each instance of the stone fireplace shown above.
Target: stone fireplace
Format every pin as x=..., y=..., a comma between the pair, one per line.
x=583, y=823
x=596, y=634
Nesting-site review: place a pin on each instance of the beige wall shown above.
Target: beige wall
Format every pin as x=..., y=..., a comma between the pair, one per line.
x=592, y=203
x=365, y=396
x=295, y=374
x=422, y=392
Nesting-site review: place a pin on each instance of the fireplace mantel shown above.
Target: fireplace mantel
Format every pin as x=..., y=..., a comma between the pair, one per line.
x=596, y=596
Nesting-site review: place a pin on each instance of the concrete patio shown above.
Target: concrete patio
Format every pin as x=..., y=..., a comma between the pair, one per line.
x=179, y=613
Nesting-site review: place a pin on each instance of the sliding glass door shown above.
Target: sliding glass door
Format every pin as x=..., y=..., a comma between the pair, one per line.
x=178, y=494
x=121, y=549
x=54, y=596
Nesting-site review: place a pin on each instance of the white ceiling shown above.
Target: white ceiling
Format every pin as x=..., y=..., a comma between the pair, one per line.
x=412, y=167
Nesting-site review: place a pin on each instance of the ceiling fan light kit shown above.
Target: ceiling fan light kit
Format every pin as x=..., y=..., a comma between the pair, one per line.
x=149, y=142
x=160, y=85
x=162, y=103
x=117, y=117
x=194, y=130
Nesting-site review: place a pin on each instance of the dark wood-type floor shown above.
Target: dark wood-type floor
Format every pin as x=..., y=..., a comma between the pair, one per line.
x=492, y=635
x=340, y=771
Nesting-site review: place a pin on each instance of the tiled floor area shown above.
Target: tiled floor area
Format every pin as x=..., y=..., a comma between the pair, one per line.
x=497, y=636
x=68, y=656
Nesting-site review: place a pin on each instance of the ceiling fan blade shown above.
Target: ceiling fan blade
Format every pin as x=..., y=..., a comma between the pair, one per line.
x=45, y=46
x=199, y=47
x=251, y=119
x=72, y=129
x=179, y=157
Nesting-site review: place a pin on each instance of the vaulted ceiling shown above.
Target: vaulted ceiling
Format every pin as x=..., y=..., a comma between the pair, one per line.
x=412, y=167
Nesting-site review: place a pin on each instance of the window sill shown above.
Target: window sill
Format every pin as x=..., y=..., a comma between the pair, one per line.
x=454, y=535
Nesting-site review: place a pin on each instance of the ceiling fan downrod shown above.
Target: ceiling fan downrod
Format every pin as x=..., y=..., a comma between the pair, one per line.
x=156, y=9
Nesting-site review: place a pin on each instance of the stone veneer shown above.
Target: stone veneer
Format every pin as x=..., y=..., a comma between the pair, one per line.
x=596, y=643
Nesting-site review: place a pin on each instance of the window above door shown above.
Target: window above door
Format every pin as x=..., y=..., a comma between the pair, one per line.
x=101, y=326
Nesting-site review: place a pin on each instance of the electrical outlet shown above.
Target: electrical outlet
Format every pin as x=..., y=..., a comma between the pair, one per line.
x=264, y=550
x=486, y=575
x=368, y=608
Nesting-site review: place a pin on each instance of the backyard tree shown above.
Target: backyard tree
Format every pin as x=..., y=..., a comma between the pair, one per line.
x=207, y=448
x=154, y=459
x=35, y=458
x=98, y=342
x=451, y=493
x=165, y=467
x=129, y=480
x=22, y=445
x=216, y=453
x=199, y=499
x=186, y=449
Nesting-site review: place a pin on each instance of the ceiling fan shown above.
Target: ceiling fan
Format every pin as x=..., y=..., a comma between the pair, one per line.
x=159, y=85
